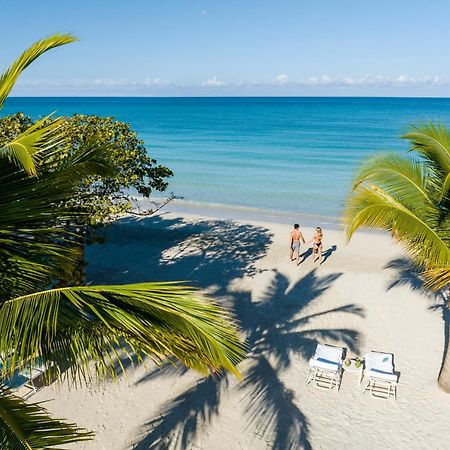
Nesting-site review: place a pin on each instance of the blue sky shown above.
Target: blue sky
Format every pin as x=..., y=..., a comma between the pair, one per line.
x=228, y=47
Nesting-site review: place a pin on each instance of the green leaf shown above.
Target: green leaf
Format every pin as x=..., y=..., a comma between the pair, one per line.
x=410, y=199
x=432, y=142
x=34, y=239
x=83, y=324
x=401, y=177
x=28, y=426
x=9, y=77
x=438, y=278
x=46, y=190
x=372, y=207
x=29, y=146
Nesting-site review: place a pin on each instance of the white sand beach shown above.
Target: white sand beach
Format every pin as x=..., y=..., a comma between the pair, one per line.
x=363, y=297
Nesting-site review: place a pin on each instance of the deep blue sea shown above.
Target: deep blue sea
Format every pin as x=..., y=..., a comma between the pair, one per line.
x=295, y=155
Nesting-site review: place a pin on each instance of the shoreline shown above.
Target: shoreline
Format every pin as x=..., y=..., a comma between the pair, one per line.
x=281, y=154
x=242, y=213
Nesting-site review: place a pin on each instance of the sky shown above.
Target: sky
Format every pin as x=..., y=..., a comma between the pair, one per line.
x=232, y=47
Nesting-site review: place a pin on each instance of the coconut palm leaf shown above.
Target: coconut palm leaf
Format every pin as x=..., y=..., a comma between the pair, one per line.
x=433, y=143
x=401, y=177
x=93, y=158
x=411, y=199
x=29, y=146
x=79, y=324
x=31, y=200
x=34, y=239
x=445, y=191
x=437, y=279
x=28, y=426
x=86, y=328
x=372, y=207
x=44, y=134
x=9, y=77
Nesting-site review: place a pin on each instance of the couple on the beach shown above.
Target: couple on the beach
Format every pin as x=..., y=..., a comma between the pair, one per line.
x=297, y=236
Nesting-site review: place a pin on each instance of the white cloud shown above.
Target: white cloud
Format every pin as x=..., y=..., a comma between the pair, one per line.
x=213, y=82
x=155, y=84
x=372, y=80
x=123, y=82
x=281, y=79
x=96, y=82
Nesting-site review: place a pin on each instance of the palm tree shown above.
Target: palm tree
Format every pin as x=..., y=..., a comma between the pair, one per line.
x=83, y=331
x=410, y=197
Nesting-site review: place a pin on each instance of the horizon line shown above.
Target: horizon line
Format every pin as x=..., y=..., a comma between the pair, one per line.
x=233, y=96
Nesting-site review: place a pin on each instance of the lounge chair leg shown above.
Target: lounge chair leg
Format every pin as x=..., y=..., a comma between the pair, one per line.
x=311, y=377
x=338, y=381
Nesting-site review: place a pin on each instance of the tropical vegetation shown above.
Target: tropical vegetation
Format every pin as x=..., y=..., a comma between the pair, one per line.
x=78, y=332
x=104, y=196
x=409, y=195
x=134, y=170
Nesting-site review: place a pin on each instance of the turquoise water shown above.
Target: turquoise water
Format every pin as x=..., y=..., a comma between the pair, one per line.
x=294, y=155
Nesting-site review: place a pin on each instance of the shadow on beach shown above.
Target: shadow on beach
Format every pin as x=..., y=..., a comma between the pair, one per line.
x=325, y=255
x=408, y=274
x=328, y=252
x=163, y=249
x=305, y=255
x=277, y=328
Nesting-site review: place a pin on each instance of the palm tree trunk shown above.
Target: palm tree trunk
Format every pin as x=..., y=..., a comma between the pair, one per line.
x=444, y=375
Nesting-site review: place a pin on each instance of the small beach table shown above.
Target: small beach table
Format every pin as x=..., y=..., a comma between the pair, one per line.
x=352, y=368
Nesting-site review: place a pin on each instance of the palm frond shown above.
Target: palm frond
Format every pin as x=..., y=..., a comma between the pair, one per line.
x=27, y=199
x=372, y=207
x=28, y=426
x=438, y=278
x=432, y=142
x=28, y=147
x=403, y=178
x=80, y=324
x=410, y=198
x=9, y=77
x=93, y=158
x=34, y=240
x=445, y=191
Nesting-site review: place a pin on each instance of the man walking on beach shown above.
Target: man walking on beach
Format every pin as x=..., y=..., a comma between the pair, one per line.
x=294, y=243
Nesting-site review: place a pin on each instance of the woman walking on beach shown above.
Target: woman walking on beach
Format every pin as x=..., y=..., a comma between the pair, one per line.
x=317, y=245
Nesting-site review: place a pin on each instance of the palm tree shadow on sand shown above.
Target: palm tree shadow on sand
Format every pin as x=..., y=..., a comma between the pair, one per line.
x=277, y=327
x=408, y=274
x=276, y=335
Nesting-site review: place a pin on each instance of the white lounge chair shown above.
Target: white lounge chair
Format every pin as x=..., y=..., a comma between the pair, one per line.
x=379, y=370
x=27, y=378
x=326, y=367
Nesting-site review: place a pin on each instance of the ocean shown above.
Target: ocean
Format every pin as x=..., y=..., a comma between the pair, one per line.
x=289, y=155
